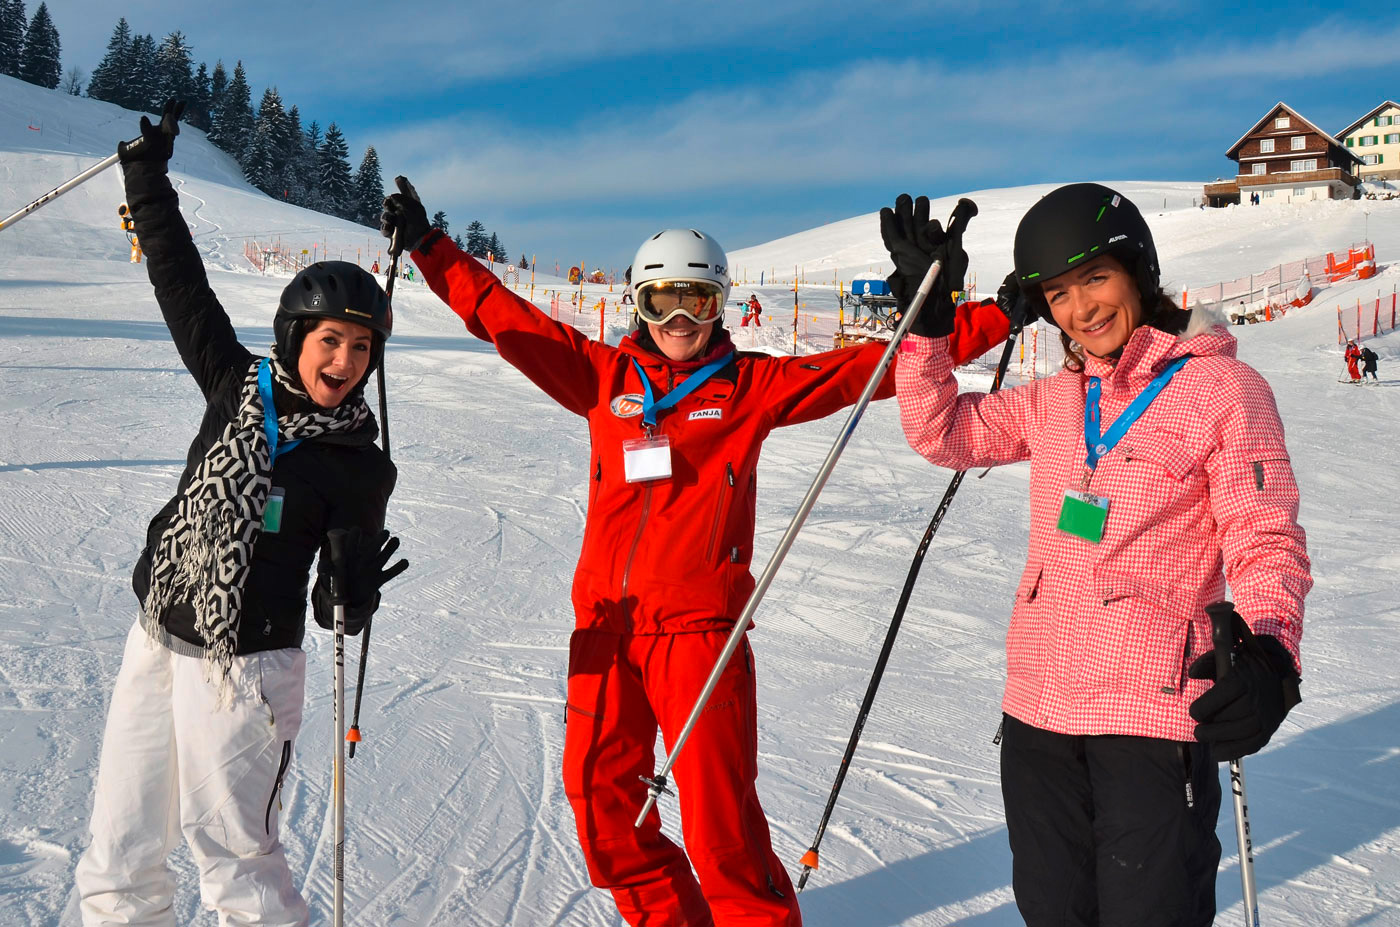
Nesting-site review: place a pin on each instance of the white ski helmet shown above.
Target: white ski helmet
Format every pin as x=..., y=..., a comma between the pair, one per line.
x=681, y=254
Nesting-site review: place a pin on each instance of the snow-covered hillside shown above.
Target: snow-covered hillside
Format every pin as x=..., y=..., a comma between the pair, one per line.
x=457, y=814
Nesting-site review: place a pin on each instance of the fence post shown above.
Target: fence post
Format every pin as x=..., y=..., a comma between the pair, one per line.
x=1376, y=318
x=1358, y=317
x=1340, y=331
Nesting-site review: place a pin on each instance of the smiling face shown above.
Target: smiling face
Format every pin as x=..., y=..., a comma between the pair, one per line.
x=1097, y=305
x=334, y=357
x=680, y=339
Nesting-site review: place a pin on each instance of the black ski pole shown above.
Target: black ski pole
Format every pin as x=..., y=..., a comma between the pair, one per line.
x=1222, y=626
x=810, y=859
x=395, y=249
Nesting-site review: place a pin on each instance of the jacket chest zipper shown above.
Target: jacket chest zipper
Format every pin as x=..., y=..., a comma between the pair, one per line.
x=724, y=489
x=632, y=553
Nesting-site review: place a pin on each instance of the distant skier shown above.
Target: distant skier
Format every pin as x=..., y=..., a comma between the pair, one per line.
x=676, y=419
x=208, y=701
x=374, y=268
x=1112, y=725
x=627, y=299
x=1369, y=359
x=1352, y=355
x=751, y=311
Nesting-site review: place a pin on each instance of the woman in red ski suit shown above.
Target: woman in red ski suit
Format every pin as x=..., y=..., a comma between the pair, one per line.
x=1353, y=356
x=664, y=569
x=1112, y=726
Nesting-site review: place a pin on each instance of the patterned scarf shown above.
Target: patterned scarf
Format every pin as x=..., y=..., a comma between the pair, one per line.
x=206, y=552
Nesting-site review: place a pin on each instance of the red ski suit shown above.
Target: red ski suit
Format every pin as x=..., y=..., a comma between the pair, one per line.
x=1353, y=355
x=663, y=575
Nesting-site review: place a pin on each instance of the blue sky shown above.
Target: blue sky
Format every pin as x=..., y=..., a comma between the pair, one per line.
x=577, y=130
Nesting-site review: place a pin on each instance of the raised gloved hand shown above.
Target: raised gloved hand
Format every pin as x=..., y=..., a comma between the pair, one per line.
x=1015, y=304
x=1239, y=714
x=404, y=221
x=157, y=142
x=914, y=243
x=361, y=561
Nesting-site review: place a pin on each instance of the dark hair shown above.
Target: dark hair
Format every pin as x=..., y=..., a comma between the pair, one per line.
x=1162, y=314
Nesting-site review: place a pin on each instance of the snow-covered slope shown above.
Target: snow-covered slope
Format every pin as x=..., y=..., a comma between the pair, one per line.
x=457, y=816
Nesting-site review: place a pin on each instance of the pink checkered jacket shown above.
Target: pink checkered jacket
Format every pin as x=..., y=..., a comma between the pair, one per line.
x=1200, y=491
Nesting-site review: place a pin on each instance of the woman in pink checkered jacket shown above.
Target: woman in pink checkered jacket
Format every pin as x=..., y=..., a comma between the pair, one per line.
x=1158, y=473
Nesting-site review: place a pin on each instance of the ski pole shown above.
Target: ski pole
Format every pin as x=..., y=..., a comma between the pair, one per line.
x=132, y=146
x=810, y=859
x=1222, y=626
x=963, y=212
x=337, y=538
x=395, y=249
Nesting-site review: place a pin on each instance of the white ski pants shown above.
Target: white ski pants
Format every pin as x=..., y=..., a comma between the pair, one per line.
x=175, y=762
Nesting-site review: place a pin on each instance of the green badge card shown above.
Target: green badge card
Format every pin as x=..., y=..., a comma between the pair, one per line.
x=1083, y=515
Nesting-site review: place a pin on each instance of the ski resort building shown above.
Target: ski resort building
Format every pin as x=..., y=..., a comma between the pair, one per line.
x=1285, y=158
x=1375, y=139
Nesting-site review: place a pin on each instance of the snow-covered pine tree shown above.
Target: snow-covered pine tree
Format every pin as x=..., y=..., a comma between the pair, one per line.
x=138, y=84
x=496, y=250
x=197, y=114
x=310, y=169
x=12, y=23
x=173, y=79
x=457, y=240
x=439, y=221
x=40, y=61
x=218, y=86
x=369, y=189
x=337, y=188
x=232, y=129
x=293, y=180
x=265, y=162
x=110, y=72
x=476, y=239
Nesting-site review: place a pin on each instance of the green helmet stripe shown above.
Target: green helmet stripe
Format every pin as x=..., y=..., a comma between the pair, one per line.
x=1076, y=257
x=1102, y=210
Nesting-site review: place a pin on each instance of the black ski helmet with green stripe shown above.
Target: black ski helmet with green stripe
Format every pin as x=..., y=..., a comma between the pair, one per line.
x=1079, y=222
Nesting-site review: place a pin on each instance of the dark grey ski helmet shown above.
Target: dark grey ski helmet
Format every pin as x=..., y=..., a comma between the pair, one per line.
x=1077, y=223
x=331, y=290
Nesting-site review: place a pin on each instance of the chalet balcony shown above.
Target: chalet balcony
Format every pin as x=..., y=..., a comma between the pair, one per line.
x=1325, y=175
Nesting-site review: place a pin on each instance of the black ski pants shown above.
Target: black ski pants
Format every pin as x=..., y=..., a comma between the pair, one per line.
x=1103, y=833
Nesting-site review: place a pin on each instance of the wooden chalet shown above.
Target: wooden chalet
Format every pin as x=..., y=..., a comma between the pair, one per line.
x=1283, y=159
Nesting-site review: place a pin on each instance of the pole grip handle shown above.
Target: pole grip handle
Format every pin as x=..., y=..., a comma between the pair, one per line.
x=1222, y=635
x=339, y=541
x=962, y=214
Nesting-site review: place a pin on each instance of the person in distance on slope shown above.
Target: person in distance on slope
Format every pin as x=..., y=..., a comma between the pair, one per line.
x=208, y=700
x=1368, y=363
x=1111, y=725
x=676, y=418
x=1352, y=356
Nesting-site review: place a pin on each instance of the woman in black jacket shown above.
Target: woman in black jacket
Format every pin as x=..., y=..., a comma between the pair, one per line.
x=208, y=700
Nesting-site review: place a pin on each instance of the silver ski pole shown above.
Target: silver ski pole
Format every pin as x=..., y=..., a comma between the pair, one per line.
x=1223, y=636
x=131, y=146
x=964, y=211
x=337, y=541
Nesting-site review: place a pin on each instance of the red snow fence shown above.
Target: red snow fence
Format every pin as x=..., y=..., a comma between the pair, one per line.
x=1263, y=296
x=1369, y=320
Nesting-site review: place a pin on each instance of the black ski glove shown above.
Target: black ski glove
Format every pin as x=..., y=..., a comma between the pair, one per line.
x=363, y=569
x=404, y=214
x=1015, y=304
x=1239, y=714
x=157, y=142
x=914, y=243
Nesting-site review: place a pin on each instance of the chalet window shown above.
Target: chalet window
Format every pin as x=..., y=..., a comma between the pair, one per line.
x=1393, y=138
x=1308, y=165
x=1371, y=159
x=1300, y=191
x=1300, y=142
x=1367, y=140
x=1385, y=120
x=1349, y=141
x=1260, y=167
x=1266, y=145
x=1281, y=122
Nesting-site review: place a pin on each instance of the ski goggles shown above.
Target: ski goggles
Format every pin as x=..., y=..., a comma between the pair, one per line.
x=698, y=300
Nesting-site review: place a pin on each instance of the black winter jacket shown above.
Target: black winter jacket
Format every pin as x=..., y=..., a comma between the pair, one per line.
x=335, y=481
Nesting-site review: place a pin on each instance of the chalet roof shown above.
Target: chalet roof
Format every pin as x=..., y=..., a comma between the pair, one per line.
x=1371, y=115
x=1280, y=105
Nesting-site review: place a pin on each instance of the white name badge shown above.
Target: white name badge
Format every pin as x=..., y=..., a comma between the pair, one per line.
x=646, y=459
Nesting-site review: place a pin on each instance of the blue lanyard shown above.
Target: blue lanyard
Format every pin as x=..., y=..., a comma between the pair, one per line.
x=270, y=413
x=1098, y=446
x=651, y=406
